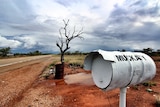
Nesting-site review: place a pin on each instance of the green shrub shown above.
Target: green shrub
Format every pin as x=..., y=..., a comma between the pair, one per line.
x=149, y=84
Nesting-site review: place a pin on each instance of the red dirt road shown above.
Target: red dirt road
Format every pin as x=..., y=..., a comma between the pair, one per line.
x=13, y=83
x=13, y=63
x=23, y=88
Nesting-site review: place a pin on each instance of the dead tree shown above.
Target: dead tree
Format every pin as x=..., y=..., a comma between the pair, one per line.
x=66, y=36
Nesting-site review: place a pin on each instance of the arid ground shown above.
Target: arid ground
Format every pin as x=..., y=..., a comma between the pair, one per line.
x=27, y=87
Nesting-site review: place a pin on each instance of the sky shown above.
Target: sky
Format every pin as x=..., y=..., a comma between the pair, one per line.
x=29, y=25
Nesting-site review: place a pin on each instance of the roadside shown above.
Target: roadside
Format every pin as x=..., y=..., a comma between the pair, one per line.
x=24, y=87
x=15, y=82
x=78, y=90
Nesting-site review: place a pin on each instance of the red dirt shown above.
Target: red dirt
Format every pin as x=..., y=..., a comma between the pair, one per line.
x=27, y=91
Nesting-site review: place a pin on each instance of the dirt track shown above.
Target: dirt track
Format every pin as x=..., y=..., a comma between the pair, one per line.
x=13, y=63
x=13, y=83
x=23, y=88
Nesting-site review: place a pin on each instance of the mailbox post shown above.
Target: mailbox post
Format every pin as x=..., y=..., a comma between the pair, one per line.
x=122, y=102
x=115, y=69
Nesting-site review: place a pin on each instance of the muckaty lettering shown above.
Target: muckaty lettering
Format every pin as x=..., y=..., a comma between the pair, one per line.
x=129, y=57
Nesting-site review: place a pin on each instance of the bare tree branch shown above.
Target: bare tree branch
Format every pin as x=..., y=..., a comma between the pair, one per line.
x=66, y=37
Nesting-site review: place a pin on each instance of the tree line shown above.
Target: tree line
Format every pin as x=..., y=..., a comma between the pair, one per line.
x=148, y=51
x=76, y=53
x=6, y=52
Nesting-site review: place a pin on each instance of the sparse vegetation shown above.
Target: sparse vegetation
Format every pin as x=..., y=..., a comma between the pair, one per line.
x=136, y=87
x=45, y=75
x=157, y=97
x=4, y=51
x=149, y=84
x=73, y=60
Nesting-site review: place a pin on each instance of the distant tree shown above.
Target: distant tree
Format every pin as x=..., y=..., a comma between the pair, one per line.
x=37, y=52
x=5, y=51
x=158, y=50
x=66, y=36
x=68, y=53
x=123, y=50
x=147, y=50
x=77, y=53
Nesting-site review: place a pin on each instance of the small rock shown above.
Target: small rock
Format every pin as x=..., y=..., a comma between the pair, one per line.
x=149, y=90
x=75, y=100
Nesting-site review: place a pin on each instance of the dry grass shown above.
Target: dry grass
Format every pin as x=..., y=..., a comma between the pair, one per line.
x=70, y=59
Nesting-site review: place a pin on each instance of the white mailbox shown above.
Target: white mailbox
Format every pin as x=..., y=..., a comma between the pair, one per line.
x=119, y=69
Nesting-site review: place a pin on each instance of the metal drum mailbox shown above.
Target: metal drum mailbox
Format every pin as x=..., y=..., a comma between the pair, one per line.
x=119, y=69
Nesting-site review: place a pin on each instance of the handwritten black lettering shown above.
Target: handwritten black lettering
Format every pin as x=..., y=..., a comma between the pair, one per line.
x=120, y=58
x=129, y=57
x=138, y=57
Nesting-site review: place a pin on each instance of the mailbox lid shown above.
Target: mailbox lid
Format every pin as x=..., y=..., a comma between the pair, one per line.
x=108, y=56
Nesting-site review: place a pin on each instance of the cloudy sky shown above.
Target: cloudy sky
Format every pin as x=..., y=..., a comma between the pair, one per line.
x=28, y=25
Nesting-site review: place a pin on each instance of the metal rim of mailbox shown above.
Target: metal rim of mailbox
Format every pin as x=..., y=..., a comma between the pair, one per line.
x=111, y=75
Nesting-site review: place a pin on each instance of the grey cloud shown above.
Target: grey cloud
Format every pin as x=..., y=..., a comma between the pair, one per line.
x=9, y=42
x=95, y=7
x=152, y=11
x=118, y=11
x=120, y=29
x=16, y=15
x=18, y=21
x=66, y=3
x=142, y=8
x=63, y=2
x=120, y=15
x=14, y=11
x=131, y=12
x=32, y=42
x=136, y=3
x=31, y=27
x=149, y=31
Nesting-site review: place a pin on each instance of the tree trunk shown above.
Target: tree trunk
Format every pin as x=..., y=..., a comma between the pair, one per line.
x=62, y=58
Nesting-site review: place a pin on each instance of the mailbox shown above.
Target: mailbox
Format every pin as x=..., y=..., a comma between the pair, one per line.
x=116, y=69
